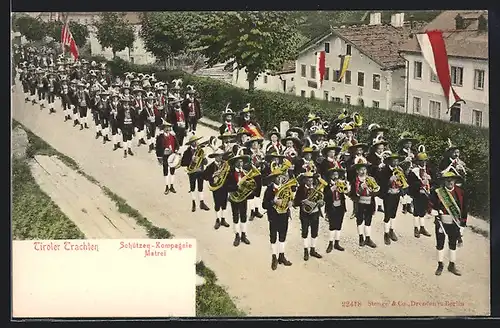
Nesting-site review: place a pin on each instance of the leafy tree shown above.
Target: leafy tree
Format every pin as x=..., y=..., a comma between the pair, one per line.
x=256, y=41
x=114, y=32
x=80, y=33
x=33, y=29
x=170, y=34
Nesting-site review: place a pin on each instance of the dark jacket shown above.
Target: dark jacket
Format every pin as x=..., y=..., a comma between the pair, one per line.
x=460, y=198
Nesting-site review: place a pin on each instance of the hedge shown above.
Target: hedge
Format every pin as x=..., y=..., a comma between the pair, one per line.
x=272, y=107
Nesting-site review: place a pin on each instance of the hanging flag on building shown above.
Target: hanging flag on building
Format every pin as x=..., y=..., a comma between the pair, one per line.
x=434, y=52
x=344, y=65
x=320, y=67
x=68, y=40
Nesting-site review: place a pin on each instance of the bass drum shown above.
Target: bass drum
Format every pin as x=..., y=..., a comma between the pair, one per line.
x=174, y=160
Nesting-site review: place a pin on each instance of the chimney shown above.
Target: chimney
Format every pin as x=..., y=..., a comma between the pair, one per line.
x=376, y=18
x=397, y=20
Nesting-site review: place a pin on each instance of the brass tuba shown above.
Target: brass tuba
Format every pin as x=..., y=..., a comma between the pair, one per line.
x=285, y=194
x=199, y=154
x=357, y=119
x=315, y=196
x=401, y=178
x=282, y=167
x=372, y=184
x=341, y=186
x=246, y=186
x=220, y=177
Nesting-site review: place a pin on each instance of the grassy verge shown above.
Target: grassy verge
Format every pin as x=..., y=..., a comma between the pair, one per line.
x=211, y=299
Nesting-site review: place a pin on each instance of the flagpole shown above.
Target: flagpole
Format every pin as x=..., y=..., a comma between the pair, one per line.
x=65, y=21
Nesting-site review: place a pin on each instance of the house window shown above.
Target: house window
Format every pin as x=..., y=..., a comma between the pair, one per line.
x=327, y=74
x=477, y=118
x=376, y=82
x=347, y=77
x=455, y=113
x=265, y=79
x=434, y=77
x=348, y=49
x=327, y=47
x=376, y=104
x=417, y=104
x=347, y=100
x=325, y=95
x=312, y=94
x=336, y=75
x=435, y=109
x=313, y=71
x=303, y=70
x=479, y=79
x=417, y=70
x=336, y=99
x=361, y=79
x=457, y=74
x=303, y=93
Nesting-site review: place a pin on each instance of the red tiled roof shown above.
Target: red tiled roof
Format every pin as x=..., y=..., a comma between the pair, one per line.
x=469, y=43
x=379, y=42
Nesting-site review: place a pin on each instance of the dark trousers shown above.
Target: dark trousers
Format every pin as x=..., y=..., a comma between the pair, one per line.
x=166, y=168
x=453, y=232
x=32, y=90
x=104, y=121
x=391, y=203
x=239, y=211
x=41, y=94
x=309, y=221
x=278, y=228
x=220, y=199
x=65, y=102
x=195, y=179
x=192, y=123
x=127, y=132
x=364, y=214
x=114, y=126
x=420, y=205
x=180, y=134
x=50, y=97
x=83, y=111
x=335, y=218
x=95, y=116
x=150, y=130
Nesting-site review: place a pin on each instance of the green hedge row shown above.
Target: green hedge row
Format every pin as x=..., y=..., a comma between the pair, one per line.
x=271, y=108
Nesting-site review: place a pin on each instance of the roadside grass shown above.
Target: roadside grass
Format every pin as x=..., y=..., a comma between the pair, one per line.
x=211, y=299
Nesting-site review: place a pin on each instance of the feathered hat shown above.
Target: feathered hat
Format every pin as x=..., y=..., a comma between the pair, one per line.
x=190, y=89
x=274, y=131
x=451, y=146
x=375, y=128
x=407, y=136
x=227, y=111
x=177, y=84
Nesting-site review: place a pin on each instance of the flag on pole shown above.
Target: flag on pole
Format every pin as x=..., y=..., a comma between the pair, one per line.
x=434, y=52
x=68, y=40
x=320, y=67
x=344, y=65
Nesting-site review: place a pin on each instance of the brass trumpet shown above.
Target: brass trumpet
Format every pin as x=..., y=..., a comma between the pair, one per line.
x=342, y=186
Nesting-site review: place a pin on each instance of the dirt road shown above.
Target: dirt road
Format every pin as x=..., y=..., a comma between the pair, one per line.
x=386, y=281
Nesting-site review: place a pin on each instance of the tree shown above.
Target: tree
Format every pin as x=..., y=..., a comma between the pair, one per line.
x=170, y=34
x=114, y=32
x=33, y=29
x=80, y=33
x=256, y=41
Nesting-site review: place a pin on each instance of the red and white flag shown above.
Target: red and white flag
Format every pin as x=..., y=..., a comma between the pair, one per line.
x=67, y=40
x=434, y=52
x=320, y=67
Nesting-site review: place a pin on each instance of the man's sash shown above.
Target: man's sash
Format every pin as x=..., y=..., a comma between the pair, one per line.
x=449, y=202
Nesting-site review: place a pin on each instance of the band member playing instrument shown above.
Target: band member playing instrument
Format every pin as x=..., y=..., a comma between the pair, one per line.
x=257, y=156
x=377, y=132
x=178, y=121
x=64, y=93
x=217, y=174
x=449, y=204
x=40, y=87
x=309, y=197
x=242, y=136
x=318, y=138
x=194, y=157
x=83, y=103
x=419, y=180
x=305, y=163
x=274, y=141
x=312, y=124
x=376, y=160
x=330, y=161
x=104, y=117
x=405, y=144
x=141, y=115
x=228, y=142
x=50, y=88
x=126, y=117
x=166, y=145
x=335, y=206
x=153, y=119
x=292, y=145
x=227, y=118
x=114, y=105
x=192, y=109
x=356, y=154
x=248, y=124
x=97, y=107
x=365, y=188
x=278, y=221
x=391, y=179
x=348, y=138
x=239, y=207
x=273, y=160
x=452, y=161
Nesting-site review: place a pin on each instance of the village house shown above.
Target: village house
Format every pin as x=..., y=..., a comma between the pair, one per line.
x=276, y=81
x=466, y=38
x=375, y=74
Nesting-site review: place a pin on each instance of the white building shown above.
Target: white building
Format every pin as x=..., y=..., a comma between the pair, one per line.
x=279, y=81
x=466, y=38
x=375, y=76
